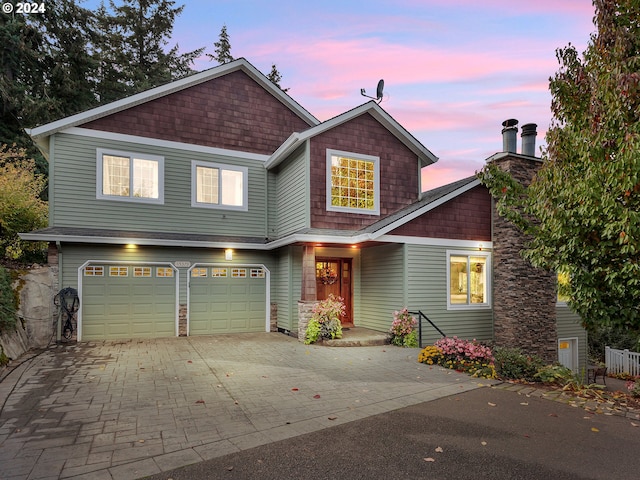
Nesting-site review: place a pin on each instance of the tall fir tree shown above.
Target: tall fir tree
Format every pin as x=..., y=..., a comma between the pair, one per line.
x=276, y=77
x=133, y=52
x=222, y=48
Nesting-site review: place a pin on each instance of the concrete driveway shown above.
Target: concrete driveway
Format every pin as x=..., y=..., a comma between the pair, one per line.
x=125, y=410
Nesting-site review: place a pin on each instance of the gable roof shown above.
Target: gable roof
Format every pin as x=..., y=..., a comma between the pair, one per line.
x=372, y=108
x=41, y=133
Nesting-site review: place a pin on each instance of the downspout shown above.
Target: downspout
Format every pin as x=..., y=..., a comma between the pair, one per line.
x=60, y=287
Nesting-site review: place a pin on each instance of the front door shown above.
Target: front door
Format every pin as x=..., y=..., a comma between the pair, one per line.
x=333, y=276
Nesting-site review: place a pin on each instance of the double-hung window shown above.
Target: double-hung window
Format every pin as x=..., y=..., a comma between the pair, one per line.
x=129, y=176
x=353, y=183
x=218, y=186
x=468, y=279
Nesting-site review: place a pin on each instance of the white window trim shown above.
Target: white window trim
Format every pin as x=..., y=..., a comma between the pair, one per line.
x=470, y=306
x=194, y=185
x=100, y=152
x=376, y=182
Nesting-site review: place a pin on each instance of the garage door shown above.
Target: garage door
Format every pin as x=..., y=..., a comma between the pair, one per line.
x=227, y=299
x=128, y=301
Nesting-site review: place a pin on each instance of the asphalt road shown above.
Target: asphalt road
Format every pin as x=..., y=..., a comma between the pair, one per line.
x=485, y=433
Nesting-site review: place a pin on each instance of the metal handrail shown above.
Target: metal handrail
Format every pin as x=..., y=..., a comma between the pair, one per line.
x=420, y=316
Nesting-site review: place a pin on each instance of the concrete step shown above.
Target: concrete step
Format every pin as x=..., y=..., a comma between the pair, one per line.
x=358, y=337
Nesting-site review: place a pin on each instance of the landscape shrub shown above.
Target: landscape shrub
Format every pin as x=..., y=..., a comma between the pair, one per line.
x=512, y=364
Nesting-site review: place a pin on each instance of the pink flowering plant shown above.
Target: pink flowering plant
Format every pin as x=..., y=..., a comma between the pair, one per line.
x=325, y=320
x=634, y=387
x=462, y=355
x=403, y=329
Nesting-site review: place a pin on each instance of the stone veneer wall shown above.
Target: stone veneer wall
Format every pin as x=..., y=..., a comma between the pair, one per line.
x=524, y=297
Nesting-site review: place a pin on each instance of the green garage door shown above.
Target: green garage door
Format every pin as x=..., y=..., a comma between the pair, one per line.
x=128, y=301
x=227, y=300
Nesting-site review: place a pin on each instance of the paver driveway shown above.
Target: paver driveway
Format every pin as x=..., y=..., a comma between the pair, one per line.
x=123, y=410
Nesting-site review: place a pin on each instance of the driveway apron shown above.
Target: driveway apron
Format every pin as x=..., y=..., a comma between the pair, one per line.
x=125, y=410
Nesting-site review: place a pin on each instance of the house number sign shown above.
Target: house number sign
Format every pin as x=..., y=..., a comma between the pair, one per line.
x=182, y=264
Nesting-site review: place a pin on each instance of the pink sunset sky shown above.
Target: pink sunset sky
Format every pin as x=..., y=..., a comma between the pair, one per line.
x=454, y=70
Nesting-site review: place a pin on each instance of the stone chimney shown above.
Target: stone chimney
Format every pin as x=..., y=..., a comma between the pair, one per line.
x=529, y=139
x=524, y=297
x=509, y=135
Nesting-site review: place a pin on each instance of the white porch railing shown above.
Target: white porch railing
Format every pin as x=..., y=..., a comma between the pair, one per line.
x=622, y=361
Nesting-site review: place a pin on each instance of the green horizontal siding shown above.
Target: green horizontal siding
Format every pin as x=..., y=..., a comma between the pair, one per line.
x=292, y=194
x=74, y=190
x=383, y=287
x=427, y=291
x=569, y=326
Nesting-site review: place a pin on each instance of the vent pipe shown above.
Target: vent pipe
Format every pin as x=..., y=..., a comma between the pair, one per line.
x=509, y=135
x=529, y=139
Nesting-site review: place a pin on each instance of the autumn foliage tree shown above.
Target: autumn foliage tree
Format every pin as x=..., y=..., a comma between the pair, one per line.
x=21, y=209
x=582, y=211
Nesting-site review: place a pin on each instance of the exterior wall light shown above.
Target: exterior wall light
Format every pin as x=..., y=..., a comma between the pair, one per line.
x=228, y=254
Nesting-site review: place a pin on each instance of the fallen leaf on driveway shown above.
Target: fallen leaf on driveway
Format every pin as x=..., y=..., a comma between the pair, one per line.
x=554, y=415
x=316, y=396
x=439, y=450
x=491, y=404
x=189, y=361
x=294, y=389
x=483, y=444
x=199, y=401
x=594, y=429
x=634, y=424
x=332, y=418
x=524, y=403
x=429, y=459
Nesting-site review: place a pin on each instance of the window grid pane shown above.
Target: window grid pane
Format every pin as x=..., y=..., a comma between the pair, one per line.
x=219, y=272
x=207, y=185
x=145, y=178
x=352, y=183
x=238, y=272
x=164, y=272
x=199, y=272
x=93, y=271
x=141, y=271
x=115, y=176
x=118, y=271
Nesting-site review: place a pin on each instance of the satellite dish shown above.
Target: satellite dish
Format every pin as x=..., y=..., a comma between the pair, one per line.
x=379, y=91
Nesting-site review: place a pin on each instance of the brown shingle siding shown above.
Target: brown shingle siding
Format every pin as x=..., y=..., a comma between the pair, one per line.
x=231, y=112
x=398, y=171
x=465, y=217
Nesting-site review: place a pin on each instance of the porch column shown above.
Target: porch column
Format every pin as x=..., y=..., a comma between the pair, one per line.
x=308, y=294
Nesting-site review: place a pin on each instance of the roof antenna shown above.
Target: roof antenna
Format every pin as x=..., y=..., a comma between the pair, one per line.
x=379, y=90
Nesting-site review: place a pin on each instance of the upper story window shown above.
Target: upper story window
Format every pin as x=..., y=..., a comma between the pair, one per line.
x=129, y=176
x=218, y=186
x=353, y=183
x=468, y=279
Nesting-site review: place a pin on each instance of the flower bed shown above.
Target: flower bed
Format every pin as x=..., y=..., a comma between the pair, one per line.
x=461, y=355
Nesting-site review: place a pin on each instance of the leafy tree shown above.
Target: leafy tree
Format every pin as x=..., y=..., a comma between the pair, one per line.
x=21, y=209
x=222, y=52
x=582, y=212
x=276, y=77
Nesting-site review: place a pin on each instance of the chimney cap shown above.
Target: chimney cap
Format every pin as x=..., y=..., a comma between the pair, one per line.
x=512, y=122
x=529, y=129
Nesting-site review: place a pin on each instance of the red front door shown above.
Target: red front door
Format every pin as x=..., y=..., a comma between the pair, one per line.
x=333, y=276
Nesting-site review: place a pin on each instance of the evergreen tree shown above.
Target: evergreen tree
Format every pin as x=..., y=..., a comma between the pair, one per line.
x=134, y=38
x=276, y=77
x=583, y=209
x=222, y=50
